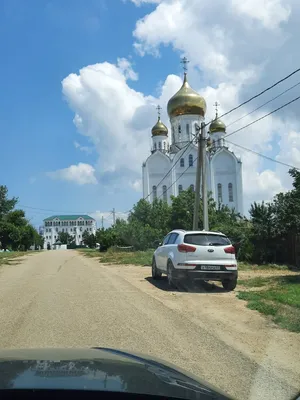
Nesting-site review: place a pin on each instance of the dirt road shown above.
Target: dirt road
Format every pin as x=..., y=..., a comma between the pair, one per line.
x=62, y=299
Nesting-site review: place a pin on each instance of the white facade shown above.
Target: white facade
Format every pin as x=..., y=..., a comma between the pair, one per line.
x=224, y=169
x=75, y=225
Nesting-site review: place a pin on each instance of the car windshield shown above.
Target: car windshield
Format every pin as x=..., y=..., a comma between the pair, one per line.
x=201, y=239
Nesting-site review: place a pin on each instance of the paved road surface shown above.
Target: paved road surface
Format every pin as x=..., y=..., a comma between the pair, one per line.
x=62, y=299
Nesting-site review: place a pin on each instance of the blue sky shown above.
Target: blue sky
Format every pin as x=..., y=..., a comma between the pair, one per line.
x=43, y=42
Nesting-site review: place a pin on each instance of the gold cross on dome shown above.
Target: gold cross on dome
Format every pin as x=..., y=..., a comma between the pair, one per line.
x=184, y=62
x=158, y=110
x=216, y=105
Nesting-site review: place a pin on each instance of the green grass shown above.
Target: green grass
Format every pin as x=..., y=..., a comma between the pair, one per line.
x=278, y=297
x=243, y=266
x=121, y=257
x=7, y=257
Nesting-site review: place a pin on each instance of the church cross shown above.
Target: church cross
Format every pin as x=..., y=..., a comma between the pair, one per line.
x=184, y=62
x=158, y=110
x=216, y=105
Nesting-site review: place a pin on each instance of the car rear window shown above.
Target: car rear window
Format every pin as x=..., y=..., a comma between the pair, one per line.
x=201, y=239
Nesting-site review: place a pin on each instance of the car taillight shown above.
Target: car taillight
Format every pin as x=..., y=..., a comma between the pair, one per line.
x=185, y=248
x=229, y=250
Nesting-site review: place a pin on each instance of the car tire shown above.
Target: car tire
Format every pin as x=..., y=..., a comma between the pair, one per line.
x=229, y=284
x=156, y=274
x=170, y=274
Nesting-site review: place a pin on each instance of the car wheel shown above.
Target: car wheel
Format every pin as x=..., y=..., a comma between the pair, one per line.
x=170, y=275
x=156, y=274
x=229, y=284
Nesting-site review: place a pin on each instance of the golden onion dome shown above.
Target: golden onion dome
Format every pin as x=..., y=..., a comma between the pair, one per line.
x=186, y=101
x=217, y=125
x=159, y=129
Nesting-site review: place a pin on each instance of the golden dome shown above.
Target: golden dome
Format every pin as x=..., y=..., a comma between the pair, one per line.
x=186, y=101
x=217, y=125
x=159, y=129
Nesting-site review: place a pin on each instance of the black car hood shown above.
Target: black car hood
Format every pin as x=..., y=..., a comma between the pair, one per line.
x=100, y=369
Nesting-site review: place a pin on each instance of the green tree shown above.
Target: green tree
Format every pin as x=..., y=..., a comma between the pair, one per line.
x=6, y=204
x=89, y=239
x=65, y=238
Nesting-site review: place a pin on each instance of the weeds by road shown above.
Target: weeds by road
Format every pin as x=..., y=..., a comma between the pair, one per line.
x=6, y=257
x=121, y=257
x=276, y=296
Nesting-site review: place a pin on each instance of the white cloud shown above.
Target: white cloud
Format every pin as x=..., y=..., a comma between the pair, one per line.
x=107, y=217
x=85, y=149
x=82, y=174
x=141, y=2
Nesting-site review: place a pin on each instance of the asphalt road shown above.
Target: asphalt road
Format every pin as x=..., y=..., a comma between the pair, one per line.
x=62, y=299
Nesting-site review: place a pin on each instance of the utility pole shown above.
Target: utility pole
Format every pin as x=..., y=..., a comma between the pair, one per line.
x=197, y=183
x=114, y=216
x=201, y=172
x=204, y=178
x=102, y=222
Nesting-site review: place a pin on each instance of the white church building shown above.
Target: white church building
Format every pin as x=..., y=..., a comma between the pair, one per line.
x=186, y=110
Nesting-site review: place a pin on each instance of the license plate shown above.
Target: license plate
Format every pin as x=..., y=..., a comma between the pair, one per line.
x=211, y=267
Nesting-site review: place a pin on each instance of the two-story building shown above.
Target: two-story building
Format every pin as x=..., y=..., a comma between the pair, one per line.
x=75, y=225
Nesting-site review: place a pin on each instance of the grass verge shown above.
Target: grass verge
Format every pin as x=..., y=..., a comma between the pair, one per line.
x=261, y=267
x=277, y=297
x=7, y=257
x=120, y=257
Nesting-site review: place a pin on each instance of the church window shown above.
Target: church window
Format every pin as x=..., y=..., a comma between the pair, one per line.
x=159, y=145
x=192, y=187
x=179, y=128
x=155, y=147
x=219, y=142
x=154, y=190
x=164, y=145
x=187, y=129
x=230, y=192
x=180, y=189
x=220, y=193
x=191, y=160
x=182, y=162
x=165, y=193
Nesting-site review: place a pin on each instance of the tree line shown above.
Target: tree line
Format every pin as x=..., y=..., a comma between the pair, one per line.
x=16, y=232
x=263, y=237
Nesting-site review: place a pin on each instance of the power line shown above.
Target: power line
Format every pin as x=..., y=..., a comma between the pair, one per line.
x=262, y=155
x=264, y=116
x=264, y=104
x=260, y=93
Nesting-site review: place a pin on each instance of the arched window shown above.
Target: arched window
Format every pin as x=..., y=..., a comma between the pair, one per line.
x=191, y=160
x=154, y=191
x=182, y=162
x=179, y=128
x=155, y=146
x=165, y=193
x=192, y=187
x=164, y=145
x=180, y=189
x=213, y=143
x=220, y=193
x=159, y=145
x=187, y=129
x=230, y=192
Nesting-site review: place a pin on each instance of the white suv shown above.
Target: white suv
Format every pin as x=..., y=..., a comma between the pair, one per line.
x=201, y=255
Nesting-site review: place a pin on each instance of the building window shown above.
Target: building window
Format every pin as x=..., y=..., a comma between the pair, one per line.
x=164, y=145
x=80, y=229
x=165, y=193
x=220, y=193
x=182, y=162
x=192, y=187
x=179, y=128
x=62, y=230
x=159, y=145
x=230, y=192
x=56, y=229
x=155, y=147
x=154, y=190
x=180, y=189
x=191, y=162
x=187, y=129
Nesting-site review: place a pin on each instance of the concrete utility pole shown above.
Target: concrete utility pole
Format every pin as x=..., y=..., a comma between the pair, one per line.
x=201, y=171
x=114, y=216
x=102, y=225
